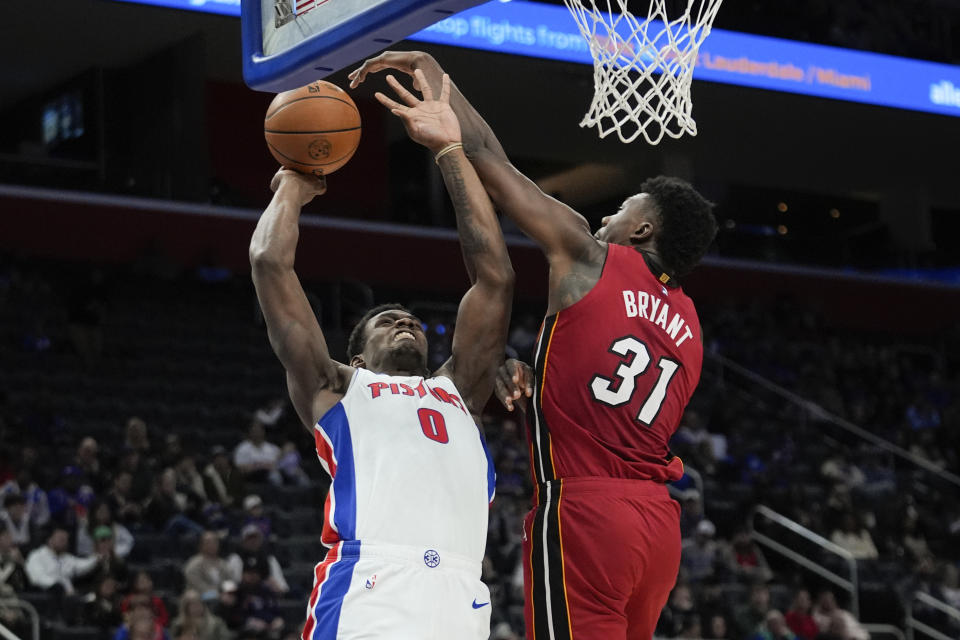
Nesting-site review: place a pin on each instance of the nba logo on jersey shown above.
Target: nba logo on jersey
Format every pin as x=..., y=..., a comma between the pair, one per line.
x=371, y=581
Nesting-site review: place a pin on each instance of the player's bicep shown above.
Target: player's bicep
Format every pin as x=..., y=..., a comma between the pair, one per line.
x=295, y=337
x=479, y=338
x=559, y=230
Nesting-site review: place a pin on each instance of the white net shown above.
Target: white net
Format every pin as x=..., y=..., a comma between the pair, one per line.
x=643, y=67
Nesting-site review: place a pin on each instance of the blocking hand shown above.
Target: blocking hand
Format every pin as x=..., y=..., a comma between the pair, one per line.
x=430, y=122
x=514, y=384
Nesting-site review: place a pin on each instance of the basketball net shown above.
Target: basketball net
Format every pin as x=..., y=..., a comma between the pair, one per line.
x=642, y=68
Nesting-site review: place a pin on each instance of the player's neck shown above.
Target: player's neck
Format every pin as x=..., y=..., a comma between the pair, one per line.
x=398, y=367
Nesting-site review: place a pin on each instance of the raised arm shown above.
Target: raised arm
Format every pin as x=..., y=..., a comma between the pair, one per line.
x=314, y=380
x=484, y=314
x=562, y=233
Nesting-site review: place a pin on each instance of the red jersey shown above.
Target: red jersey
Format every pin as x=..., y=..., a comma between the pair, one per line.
x=614, y=372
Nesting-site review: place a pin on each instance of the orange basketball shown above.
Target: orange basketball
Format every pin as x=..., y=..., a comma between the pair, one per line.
x=314, y=129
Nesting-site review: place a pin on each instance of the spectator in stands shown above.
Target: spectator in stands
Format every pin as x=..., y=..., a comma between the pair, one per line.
x=717, y=627
x=256, y=458
x=269, y=415
x=690, y=627
x=133, y=462
x=166, y=510
x=834, y=621
x=142, y=596
x=189, y=480
x=111, y=565
x=141, y=624
x=50, y=568
x=254, y=514
x=104, y=610
x=71, y=499
x=35, y=498
x=691, y=512
x=913, y=540
x=15, y=520
x=172, y=451
x=679, y=606
x=838, y=469
x=798, y=616
x=101, y=516
x=289, y=466
x=774, y=627
x=700, y=555
x=195, y=618
x=136, y=436
x=748, y=618
x=206, y=570
x=855, y=538
x=697, y=441
x=745, y=561
x=228, y=606
x=251, y=546
x=12, y=580
x=221, y=480
x=260, y=609
x=88, y=462
x=120, y=498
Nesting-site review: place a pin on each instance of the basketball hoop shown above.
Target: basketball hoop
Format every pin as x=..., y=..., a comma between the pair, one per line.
x=642, y=68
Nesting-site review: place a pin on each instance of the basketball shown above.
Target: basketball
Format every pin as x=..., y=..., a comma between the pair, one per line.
x=314, y=129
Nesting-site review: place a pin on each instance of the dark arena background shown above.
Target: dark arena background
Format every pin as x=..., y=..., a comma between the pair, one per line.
x=822, y=446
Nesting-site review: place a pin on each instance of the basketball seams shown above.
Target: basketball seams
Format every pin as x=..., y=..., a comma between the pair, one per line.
x=308, y=164
x=314, y=136
x=277, y=131
x=296, y=100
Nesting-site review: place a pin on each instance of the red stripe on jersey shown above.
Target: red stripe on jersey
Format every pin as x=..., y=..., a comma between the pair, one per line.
x=320, y=573
x=325, y=451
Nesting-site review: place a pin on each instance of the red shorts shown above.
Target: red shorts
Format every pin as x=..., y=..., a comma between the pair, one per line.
x=601, y=556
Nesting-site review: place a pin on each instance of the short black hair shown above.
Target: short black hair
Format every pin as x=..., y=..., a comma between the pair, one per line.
x=687, y=225
x=358, y=336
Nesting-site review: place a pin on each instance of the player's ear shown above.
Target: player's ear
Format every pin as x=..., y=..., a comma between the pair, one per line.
x=642, y=232
x=357, y=362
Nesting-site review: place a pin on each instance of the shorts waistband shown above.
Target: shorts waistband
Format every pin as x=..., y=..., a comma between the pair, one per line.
x=613, y=487
x=424, y=557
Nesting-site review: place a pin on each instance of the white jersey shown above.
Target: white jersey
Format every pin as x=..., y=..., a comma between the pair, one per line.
x=408, y=465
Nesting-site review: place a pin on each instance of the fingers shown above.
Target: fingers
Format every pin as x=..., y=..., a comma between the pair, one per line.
x=421, y=84
x=357, y=76
x=521, y=376
x=444, y=88
x=395, y=107
x=405, y=95
x=320, y=184
x=500, y=390
x=386, y=60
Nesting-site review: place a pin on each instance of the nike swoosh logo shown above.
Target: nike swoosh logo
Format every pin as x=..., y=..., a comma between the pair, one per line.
x=477, y=606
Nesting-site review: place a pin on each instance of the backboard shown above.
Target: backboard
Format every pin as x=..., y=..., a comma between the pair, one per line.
x=290, y=43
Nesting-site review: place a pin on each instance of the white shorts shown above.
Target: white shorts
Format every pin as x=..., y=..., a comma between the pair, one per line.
x=396, y=593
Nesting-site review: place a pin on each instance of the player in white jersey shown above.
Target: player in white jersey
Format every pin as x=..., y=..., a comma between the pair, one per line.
x=406, y=515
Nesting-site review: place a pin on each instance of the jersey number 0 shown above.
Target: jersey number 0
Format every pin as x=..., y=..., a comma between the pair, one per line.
x=619, y=391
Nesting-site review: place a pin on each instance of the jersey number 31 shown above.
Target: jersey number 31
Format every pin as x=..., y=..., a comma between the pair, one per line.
x=619, y=391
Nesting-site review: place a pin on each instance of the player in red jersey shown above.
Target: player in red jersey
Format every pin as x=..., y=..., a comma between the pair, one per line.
x=618, y=357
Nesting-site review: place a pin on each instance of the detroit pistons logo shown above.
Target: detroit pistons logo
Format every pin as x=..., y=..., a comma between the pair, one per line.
x=319, y=148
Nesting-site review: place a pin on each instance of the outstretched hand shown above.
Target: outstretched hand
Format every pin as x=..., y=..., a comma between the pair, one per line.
x=514, y=384
x=403, y=61
x=430, y=122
